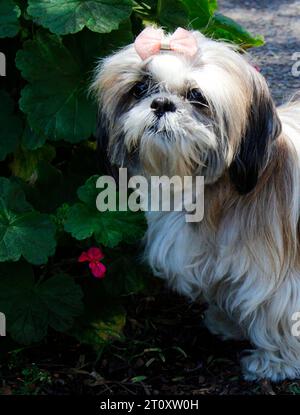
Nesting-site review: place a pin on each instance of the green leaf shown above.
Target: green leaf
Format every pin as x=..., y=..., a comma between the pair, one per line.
x=23, y=231
x=169, y=14
x=71, y=16
x=108, y=228
x=63, y=299
x=56, y=100
x=50, y=187
x=222, y=27
x=25, y=162
x=124, y=275
x=138, y=379
x=200, y=12
x=9, y=14
x=172, y=14
x=31, y=140
x=101, y=329
x=11, y=126
x=31, y=307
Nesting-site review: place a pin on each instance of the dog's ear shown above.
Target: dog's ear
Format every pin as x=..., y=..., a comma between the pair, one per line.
x=262, y=128
x=102, y=137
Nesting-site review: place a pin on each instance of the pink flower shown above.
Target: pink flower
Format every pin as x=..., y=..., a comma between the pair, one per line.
x=94, y=256
x=97, y=269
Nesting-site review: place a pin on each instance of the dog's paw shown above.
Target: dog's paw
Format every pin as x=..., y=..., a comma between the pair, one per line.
x=260, y=364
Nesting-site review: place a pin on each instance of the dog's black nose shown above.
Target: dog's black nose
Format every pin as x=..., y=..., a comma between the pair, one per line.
x=162, y=105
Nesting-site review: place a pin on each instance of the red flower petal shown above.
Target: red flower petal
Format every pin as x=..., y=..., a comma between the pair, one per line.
x=97, y=269
x=95, y=254
x=83, y=257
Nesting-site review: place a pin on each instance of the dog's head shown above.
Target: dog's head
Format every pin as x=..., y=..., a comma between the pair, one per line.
x=175, y=114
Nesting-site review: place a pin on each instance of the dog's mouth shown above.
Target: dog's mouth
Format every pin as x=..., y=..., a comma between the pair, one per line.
x=160, y=129
x=162, y=134
x=157, y=128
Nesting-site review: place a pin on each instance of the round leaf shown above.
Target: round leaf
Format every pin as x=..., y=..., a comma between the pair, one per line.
x=11, y=126
x=31, y=307
x=108, y=228
x=31, y=140
x=9, y=14
x=23, y=231
x=70, y=16
x=56, y=99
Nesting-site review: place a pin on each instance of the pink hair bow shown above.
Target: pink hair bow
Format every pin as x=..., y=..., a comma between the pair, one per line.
x=150, y=41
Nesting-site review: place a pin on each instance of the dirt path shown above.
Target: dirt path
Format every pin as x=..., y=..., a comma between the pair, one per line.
x=279, y=22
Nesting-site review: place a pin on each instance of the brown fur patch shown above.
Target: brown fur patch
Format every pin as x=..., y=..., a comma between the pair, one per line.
x=260, y=210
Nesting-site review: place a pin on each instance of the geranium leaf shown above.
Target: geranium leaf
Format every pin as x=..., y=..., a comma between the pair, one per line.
x=63, y=300
x=222, y=27
x=124, y=275
x=9, y=14
x=108, y=228
x=101, y=328
x=25, y=162
x=172, y=14
x=200, y=11
x=31, y=140
x=71, y=16
x=56, y=99
x=31, y=307
x=23, y=231
x=11, y=126
x=50, y=187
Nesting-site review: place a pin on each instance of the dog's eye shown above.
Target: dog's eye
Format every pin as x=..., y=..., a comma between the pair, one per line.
x=196, y=97
x=140, y=89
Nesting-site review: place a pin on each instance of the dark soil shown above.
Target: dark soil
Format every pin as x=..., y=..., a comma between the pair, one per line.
x=166, y=350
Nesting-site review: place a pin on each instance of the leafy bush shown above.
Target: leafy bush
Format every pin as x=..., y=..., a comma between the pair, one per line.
x=49, y=164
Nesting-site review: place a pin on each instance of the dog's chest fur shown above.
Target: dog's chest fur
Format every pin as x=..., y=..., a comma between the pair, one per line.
x=186, y=254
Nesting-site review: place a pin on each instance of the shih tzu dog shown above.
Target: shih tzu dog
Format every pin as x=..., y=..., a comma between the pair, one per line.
x=183, y=104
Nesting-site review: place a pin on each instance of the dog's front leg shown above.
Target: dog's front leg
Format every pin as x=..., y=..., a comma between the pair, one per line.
x=277, y=353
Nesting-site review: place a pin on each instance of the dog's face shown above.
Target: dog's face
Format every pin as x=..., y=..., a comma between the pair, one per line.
x=177, y=115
